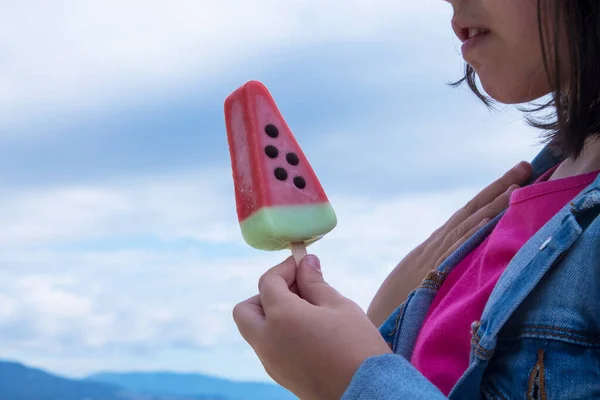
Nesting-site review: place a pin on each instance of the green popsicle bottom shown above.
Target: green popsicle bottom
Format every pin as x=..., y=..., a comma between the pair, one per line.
x=274, y=228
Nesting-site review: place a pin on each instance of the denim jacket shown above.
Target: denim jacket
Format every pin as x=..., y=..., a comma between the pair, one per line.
x=539, y=334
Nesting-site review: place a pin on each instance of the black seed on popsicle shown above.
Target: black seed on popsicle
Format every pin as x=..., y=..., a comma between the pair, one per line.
x=299, y=182
x=272, y=131
x=281, y=174
x=271, y=151
x=292, y=158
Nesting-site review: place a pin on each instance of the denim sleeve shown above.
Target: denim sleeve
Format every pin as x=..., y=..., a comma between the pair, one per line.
x=390, y=377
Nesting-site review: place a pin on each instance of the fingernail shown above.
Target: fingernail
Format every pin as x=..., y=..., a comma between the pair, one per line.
x=312, y=261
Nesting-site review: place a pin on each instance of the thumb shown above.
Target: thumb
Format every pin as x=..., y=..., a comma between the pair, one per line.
x=311, y=285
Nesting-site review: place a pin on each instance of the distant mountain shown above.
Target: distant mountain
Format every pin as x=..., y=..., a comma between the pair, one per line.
x=175, y=384
x=19, y=382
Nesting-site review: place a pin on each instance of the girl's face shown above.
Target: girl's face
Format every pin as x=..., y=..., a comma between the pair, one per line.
x=502, y=44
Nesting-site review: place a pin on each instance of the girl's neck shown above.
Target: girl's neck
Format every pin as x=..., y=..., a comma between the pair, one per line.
x=589, y=161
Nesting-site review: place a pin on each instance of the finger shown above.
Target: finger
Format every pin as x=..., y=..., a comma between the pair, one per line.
x=460, y=242
x=494, y=208
x=249, y=317
x=274, y=285
x=490, y=211
x=453, y=231
x=518, y=175
x=294, y=289
x=456, y=228
x=285, y=270
x=312, y=286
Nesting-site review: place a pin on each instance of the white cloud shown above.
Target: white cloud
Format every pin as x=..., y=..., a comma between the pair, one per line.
x=65, y=56
x=122, y=306
x=174, y=206
x=416, y=149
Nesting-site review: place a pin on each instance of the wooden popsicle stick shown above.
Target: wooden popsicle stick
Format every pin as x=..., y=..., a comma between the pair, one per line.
x=298, y=252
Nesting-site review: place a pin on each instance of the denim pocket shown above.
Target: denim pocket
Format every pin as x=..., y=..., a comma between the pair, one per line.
x=533, y=368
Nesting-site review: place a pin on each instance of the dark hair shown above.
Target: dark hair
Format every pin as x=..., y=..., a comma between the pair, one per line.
x=571, y=117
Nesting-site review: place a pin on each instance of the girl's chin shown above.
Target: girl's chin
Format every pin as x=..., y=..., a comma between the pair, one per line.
x=503, y=92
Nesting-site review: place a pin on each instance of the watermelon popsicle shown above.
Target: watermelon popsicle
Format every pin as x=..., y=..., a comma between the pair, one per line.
x=279, y=200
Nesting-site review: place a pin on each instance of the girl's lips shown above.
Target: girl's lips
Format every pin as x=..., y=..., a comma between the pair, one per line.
x=466, y=30
x=474, y=41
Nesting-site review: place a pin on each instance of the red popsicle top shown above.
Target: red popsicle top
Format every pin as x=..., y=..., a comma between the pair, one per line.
x=269, y=167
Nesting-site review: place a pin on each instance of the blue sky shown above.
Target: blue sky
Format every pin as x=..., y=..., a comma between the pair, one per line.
x=119, y=243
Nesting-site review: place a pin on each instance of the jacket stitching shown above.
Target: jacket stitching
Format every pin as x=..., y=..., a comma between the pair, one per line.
x=429, y=286
x=482, y=351
x=537, y=379
x=397, y=323
x=563, y=336
x=479, y=350
x=558, y=328
x=433, y=280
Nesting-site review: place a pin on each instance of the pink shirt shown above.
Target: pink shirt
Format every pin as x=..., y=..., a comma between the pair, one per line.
x=443, y=346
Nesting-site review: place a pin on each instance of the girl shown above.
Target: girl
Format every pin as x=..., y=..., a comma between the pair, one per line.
x=502, y=302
